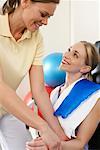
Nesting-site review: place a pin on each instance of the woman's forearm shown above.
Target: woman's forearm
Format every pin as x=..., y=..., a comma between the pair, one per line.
x=72, y=145
x=41, y=97
x=44, y=104
x=14, y=105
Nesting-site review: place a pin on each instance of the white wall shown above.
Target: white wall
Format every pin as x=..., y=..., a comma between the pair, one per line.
x=56, y=33
x=99, y=17
x=85, y=20
x=74, y=20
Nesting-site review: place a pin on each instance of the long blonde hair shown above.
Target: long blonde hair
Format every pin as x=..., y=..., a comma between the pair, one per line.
x=92, y=57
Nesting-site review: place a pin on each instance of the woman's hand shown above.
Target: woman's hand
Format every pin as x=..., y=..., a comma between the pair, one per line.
x=48, y=141
x=50, y=138
x=37, y=144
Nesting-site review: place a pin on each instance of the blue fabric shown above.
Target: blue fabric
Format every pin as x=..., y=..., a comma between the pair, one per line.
x=81, y=91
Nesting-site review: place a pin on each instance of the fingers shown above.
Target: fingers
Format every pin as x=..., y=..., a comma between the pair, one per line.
x=51, y=140
x=36, y=144
x=38, y=139
x=36, y=148
x=40, y=145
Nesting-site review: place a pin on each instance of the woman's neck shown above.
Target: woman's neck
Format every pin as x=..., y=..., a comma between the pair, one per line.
x=16, y=25
x=70, y=78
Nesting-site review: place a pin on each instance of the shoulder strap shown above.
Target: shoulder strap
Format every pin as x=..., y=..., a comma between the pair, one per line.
x=81, y=91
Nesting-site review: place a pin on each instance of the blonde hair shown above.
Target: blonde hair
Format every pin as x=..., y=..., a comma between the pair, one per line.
x=10, y=5
x=92, y=58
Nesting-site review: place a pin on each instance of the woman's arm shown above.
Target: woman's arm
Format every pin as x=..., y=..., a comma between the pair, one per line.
x=42, y=99
x=14, y=105
x=86, y=130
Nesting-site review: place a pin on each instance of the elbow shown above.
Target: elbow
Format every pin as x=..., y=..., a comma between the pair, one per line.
x=2, y=93
x=5, y=93
x=81, y=145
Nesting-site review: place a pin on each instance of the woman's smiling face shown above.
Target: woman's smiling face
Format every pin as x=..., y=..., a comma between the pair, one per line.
x=36, y=14
x=74, y=59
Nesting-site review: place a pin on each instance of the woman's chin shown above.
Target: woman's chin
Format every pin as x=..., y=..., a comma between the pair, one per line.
x=62, y=67
x=32, y=29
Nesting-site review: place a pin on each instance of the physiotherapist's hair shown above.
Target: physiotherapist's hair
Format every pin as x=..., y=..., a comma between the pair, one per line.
x=10, y=5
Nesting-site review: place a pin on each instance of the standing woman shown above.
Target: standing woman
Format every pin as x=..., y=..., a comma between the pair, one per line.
x=21, y=51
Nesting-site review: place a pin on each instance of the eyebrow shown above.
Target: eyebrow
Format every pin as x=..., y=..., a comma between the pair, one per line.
x=74, y=50
x=46, y=13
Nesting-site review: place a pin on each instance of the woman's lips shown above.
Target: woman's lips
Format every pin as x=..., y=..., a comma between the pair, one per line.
x=64, y=61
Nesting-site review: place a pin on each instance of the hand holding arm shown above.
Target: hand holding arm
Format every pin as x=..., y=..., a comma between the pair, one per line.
x=42, y=99
x=14, y=105
x=85, y=132
x=37, y=143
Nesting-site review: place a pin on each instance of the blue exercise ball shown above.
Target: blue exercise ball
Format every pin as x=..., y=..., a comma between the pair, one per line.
x=53, y=76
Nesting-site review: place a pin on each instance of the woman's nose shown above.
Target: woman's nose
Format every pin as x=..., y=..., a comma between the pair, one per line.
x=67, y=55
x=45, y=21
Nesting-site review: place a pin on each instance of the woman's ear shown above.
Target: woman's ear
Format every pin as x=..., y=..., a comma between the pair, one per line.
x=25, y=3
x=85, y=69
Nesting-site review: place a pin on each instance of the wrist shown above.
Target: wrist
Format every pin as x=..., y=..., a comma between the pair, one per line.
x=43, y=128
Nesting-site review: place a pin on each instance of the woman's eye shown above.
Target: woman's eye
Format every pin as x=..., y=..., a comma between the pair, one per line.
x=68, y=49
x=43, y=15
x=75, y=55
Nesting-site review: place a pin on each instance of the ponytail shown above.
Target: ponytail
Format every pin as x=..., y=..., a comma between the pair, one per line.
x=10, y=6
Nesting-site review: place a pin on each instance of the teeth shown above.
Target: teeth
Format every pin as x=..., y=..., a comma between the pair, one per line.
x=37, y=26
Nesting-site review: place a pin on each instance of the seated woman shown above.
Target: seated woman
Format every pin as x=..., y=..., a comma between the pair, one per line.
x=77, y=102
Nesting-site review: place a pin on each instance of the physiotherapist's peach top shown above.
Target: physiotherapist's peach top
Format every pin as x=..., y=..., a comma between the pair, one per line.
x=16, y=57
